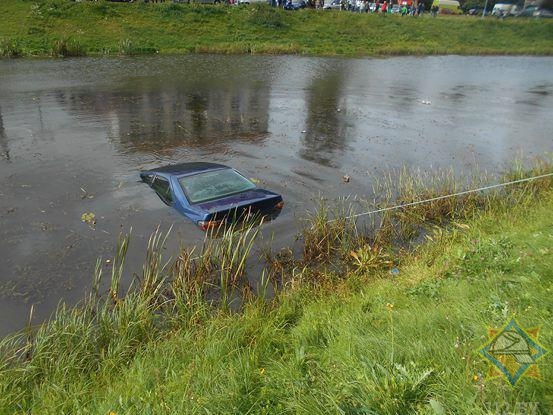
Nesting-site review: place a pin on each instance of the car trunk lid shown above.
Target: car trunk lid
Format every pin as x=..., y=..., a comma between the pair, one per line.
x=241, y=204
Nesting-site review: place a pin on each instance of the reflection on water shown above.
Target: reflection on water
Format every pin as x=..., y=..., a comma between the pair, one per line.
x=325, y=129
x=148, y=120
x=75, y=133
x=3, y=139
x=537, y=95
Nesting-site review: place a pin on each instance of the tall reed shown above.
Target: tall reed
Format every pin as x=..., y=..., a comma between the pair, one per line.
x=97, y=338
x=67, y=48
x=368, y=234
x=10, y=48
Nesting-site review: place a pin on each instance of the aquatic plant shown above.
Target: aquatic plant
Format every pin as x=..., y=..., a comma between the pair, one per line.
x=128, y=47
x=328, y=231
x=332, y=339
x=220, y=264
x=410, y=204
x=66, y=48
x=9, y=48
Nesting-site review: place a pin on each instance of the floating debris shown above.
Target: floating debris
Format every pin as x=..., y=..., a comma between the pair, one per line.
x=86, y=195
x=89, y=218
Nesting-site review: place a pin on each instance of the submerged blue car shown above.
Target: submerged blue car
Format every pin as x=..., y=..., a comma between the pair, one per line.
x=211, y=194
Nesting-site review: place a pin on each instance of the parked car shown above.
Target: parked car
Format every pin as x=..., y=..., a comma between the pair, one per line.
x=476, y=11
x=186, y=1
x=527, y=11
x=210, y=194
x=543, y=13
x=252, y=1
x=535, y=11
x=504, y=9
x=295, y=5
x=333, y=5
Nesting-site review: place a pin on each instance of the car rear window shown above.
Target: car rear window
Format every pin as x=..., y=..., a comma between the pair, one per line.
x=213, y=185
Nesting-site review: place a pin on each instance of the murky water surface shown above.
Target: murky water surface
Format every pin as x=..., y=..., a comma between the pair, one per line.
x=75, y=133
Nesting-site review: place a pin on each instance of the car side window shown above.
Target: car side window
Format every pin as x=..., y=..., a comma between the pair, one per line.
x=163, y=189
x=147, y=178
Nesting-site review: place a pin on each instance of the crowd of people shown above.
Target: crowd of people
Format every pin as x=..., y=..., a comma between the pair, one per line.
x=382, y=7
x=363, y=6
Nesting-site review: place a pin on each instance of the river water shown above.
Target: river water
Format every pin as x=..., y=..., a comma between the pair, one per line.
x=75, y=133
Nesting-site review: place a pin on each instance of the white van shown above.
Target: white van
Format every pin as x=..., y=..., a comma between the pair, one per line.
x=504, y=9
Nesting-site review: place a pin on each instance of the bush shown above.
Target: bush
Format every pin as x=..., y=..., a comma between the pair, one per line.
x=65, y=48
x=9, y=48
x=126, y=47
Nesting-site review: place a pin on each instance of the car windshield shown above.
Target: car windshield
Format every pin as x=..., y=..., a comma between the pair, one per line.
x=212, y=185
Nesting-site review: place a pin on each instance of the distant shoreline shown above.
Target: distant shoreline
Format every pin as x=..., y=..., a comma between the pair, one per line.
x=62, y=28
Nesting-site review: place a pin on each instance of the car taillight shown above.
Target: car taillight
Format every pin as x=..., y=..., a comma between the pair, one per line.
x=279, y=205
x=209, y=224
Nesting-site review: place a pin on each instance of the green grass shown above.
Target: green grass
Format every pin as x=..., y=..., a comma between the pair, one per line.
x=34, y=27
x=344, y=335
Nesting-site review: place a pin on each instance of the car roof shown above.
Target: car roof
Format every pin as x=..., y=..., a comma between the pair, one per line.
x=187, y=168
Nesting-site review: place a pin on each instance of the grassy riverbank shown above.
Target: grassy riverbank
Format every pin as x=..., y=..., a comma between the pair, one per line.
x=359, y=325
x=67, y=28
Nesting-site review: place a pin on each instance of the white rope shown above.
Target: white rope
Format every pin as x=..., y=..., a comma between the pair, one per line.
x=419, y=202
